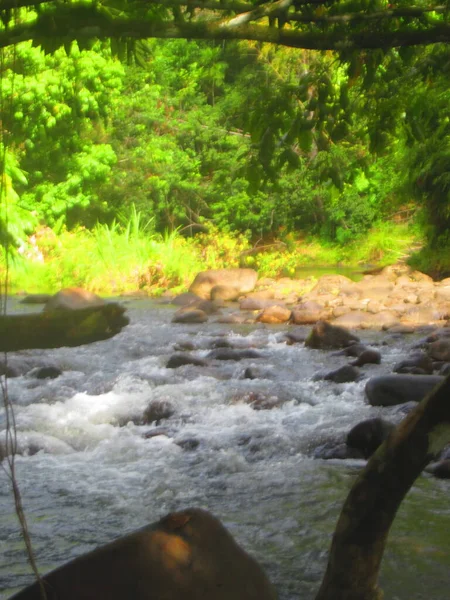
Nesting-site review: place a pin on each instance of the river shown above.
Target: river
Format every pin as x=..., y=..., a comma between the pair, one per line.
x=97, y=476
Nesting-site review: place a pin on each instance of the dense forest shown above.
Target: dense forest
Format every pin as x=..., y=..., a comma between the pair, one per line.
x=159, y=157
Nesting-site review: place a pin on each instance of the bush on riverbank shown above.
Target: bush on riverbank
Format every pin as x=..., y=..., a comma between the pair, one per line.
x=128, y=257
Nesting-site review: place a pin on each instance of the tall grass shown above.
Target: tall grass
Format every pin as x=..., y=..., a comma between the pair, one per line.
x=129, y=255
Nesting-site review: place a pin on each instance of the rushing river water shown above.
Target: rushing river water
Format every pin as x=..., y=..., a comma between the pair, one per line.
x=98, y=477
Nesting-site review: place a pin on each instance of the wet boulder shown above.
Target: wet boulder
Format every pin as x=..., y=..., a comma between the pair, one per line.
x=369, y=356
x=157, y=411
x=440, y=469
x=294, y=337
x=243, y=280
x=188, y=555
x=179, y=360
x=185, y=299
x=389, y=390
x=49, y=372
x=334, y=450
x=368, y=435
x=274, y=315
x=187, y=315
x=233, y=354
x=225, y=293
x=440, y=349
x=325, y=336
x=308, y=313
x=344, y=374
x=73, y=298
x=36, y=299
x=416, y=364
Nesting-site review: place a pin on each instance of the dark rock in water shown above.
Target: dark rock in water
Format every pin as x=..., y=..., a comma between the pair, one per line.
x=158, y=431
x=183, y=346
x=343, y=374
x=188, y=444
x=368, y=357
x=255, y=373
x=413, y=371
x=220, y=343
x=185, y=299
x=440, y=469
x=178, y=360
x=186, y=555
x=368, y=435
x=72, y=299
x=416, y=364
x=45, y=372
x=325, y=336
x=156, y=411
x=388, y=390
x=355, y=349
x=36, y=299
x=440, y=349
x=232, y=354
x=190, y=316
x=331, y=450
x=295, y=337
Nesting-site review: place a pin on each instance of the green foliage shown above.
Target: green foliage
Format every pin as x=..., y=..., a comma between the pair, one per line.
x=54, y=110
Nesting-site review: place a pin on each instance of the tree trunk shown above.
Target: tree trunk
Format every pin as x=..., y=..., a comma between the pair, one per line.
x=369, y=510
x=54, y=329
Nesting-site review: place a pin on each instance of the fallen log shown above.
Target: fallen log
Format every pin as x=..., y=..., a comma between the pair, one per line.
x=54, y=329
x=369, y=510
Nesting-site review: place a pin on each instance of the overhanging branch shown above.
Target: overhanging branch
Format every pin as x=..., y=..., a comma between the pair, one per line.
x=79, y=20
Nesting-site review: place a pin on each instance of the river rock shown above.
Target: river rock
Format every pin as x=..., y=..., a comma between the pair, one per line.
x=333, y=450
x=440, y=469
x=274, y=315
x=259, y=303
x=243, y=280
x=190, y=316
x=232, y=354
x=369, y=356
x=368, y=435
x=49, y=372
x=179, y=360
x=185, y=299
x=156, y=411
x=389, y=390
x=416, y=364
x=440, y=349
x=325, y=336
x=294, y=337
x=343, y=374
x=308, y=313
x=36, y=299
x=331, y=284
x=73, y=298
x=224, y=293
x=188, y=555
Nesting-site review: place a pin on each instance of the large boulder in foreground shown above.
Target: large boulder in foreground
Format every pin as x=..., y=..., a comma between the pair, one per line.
x=324, y=336
x=389, y=390
x=187, y=555
x=241, y=280
x=73, y=298
x=368, y=435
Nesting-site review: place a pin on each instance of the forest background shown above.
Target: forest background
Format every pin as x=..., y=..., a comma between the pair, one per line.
x=134, y=170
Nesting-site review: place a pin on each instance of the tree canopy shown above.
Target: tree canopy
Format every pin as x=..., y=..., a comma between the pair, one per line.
x=340, y=25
